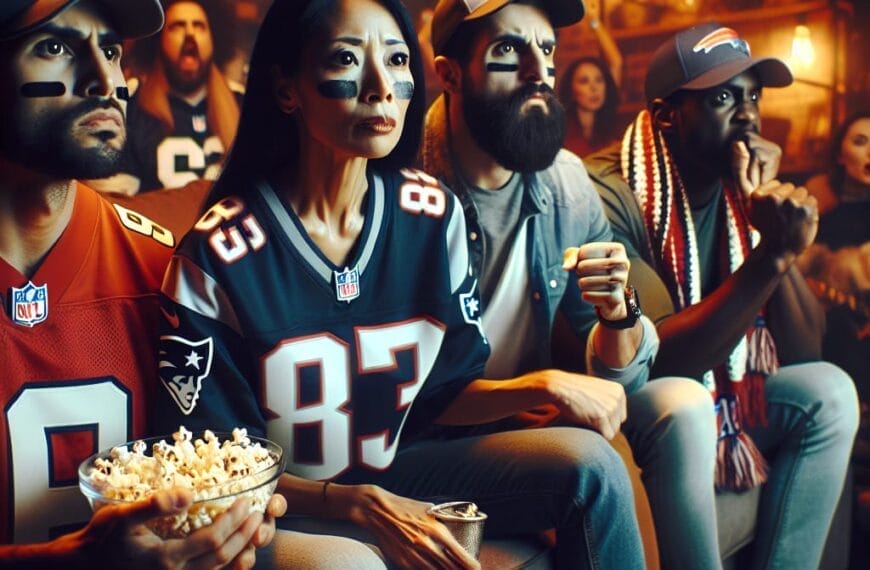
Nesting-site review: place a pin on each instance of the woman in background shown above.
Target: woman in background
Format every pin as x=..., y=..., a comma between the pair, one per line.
x=837, y=266
x=589, y=91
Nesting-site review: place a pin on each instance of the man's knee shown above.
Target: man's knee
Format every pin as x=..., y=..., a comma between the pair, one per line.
x=824, y=390
x=838, y=399
x=673, y=404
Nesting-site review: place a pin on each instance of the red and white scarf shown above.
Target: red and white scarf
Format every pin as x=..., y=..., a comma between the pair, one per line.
x=738, y=384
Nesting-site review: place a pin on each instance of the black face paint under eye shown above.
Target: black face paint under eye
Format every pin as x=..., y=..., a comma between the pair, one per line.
x=338, y=89
x=551, y=72
x=122, y=93
x=43, y=89
x=502, y=67
x=403, y=89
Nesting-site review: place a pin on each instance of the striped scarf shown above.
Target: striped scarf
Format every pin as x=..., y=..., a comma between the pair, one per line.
x=738, y=384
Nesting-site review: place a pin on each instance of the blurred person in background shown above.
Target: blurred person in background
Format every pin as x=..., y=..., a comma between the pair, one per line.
x=837, y=266
x=589, y=91
x=183, y=117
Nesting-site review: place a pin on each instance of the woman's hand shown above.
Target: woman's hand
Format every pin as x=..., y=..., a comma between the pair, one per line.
x=406, y=533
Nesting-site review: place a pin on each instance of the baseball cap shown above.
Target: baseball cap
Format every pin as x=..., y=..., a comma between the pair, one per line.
x=130, y=18
x=705, y=56
x=449, y=14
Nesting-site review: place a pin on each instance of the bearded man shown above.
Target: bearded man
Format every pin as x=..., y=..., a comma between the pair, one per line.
x=495, y=138
x=183, y=117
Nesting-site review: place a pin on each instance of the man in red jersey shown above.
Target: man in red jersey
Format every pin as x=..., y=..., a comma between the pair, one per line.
x=78, y=282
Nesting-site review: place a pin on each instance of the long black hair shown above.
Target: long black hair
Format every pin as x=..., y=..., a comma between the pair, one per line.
x=605, y=127
x=268, y=138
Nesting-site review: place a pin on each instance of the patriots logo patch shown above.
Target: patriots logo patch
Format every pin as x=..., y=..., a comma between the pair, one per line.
x=470, y=305
x=718, y=37
x=183, y=365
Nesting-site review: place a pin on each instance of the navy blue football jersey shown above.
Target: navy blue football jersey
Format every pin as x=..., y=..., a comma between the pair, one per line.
x=192, y=151
x=260, y=330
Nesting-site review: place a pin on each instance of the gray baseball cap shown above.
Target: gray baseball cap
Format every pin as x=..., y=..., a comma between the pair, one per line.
x=705, y=56
x=130, y=18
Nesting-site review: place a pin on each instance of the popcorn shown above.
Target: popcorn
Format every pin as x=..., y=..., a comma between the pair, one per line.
x=216, y=472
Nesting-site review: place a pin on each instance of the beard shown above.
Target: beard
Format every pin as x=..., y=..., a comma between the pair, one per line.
x=520, y=141
x=46, y=145
x=184, y=81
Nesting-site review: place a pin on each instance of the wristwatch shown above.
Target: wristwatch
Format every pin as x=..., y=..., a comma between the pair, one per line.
x=632, y=306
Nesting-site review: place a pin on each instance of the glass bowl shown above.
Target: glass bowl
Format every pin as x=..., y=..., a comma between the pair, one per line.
x=218, y=468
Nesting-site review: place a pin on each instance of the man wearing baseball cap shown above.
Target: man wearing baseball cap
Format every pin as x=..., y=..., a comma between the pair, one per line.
x=79, y=279
x=495, y=138
x=712, y=237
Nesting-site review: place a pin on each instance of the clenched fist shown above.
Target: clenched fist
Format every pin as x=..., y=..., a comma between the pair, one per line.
x=602, y=271
x=786, y=216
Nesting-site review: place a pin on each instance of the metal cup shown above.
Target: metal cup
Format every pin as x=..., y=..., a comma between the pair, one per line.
x=464, y=522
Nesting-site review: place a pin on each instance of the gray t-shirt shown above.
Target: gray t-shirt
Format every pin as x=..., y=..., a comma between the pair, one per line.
x=499, y=212
x=706, y=221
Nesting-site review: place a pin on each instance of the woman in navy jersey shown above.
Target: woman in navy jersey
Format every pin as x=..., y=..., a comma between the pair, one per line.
x=326, y=291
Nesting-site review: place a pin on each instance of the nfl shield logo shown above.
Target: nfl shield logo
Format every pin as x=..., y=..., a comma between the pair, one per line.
x=29, y=304
x=199, y=124
x=347, y=284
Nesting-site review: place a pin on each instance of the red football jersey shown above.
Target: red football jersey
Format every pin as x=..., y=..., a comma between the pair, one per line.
x=77, y=363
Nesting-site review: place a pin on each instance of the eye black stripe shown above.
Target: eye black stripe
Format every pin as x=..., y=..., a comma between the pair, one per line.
x=338, y=89
x=502, y=67
x=43, y=89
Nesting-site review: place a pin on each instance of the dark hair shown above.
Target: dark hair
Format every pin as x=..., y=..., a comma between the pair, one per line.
x=221, y=20
x=268, y=138
x=836, y=171
x=605, y=128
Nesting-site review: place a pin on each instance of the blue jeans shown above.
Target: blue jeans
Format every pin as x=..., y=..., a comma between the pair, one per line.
x=565, y=478
x=671, y=428
x=812, y=420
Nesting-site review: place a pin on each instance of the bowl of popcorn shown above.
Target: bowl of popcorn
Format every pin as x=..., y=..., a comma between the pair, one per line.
x=218, y=468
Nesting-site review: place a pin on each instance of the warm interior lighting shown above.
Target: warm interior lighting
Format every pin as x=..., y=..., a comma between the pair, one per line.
x=803, y=53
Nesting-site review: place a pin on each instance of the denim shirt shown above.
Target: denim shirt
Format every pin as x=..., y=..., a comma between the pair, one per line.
x=563, y=210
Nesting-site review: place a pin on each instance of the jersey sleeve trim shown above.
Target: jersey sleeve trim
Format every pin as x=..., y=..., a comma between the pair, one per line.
x=457, y=245
x=189, y=286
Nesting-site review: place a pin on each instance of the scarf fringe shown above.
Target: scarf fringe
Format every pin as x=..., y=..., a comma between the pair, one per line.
x=740, y=466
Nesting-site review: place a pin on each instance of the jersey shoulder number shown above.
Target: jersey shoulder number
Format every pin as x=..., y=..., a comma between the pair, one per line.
x=421, y=193
x=140, y=224
x=232, y=229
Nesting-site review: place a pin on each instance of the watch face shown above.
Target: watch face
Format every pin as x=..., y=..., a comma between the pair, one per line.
x=631, y=301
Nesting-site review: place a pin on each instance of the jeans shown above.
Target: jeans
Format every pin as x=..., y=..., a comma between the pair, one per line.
x=671, y=428
x=530, y=480
x=812, y=418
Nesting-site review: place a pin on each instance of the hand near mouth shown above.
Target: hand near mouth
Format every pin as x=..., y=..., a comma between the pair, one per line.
x=754, y=161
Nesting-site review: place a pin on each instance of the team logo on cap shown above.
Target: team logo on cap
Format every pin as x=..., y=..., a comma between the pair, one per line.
x=29, y=304
x=473, y=5
x=718, y=37
x=183, y=365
